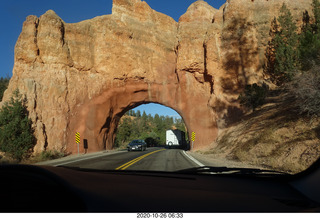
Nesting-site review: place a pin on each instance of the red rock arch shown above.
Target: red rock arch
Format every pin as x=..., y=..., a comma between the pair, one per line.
x=83, y=76
x=97, y=119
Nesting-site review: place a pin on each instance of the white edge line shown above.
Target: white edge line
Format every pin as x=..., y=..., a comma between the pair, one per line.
x=193, y=159
x=100, y=155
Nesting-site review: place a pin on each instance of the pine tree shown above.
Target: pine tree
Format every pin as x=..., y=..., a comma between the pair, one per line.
x=144, y=122
x=316, y=12
x=310, y=38
x=286, y=43
x=124, y=132
x=282, y=52
x=270, y=51
x=144, y=115
x=3, y=86
x=179, y=123
x=150, y=118
x=16, y=133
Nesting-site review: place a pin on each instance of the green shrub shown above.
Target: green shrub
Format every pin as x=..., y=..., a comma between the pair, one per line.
x=152, y=141
x=254, y=95
x=50, y=155
x=16, y=133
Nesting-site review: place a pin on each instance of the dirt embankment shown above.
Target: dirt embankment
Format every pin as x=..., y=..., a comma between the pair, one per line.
x=274, y=136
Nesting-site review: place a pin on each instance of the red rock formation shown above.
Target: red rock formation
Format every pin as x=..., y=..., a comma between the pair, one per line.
x=84, y=76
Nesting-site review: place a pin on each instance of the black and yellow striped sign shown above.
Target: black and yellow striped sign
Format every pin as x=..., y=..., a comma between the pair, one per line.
x=77, y=137
x=193, y=136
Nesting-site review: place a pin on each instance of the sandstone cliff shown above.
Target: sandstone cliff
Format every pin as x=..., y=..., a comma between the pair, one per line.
x=84, y=76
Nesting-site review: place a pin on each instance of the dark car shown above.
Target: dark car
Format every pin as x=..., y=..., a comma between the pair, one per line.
x=137, y=145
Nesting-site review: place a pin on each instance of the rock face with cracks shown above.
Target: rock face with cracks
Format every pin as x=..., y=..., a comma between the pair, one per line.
x=83, y=77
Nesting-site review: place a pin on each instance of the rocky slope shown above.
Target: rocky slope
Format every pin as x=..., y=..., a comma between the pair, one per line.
x=275, y=136
x=84, y=76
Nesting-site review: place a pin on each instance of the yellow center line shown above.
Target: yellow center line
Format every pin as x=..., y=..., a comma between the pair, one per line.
x=128, y=164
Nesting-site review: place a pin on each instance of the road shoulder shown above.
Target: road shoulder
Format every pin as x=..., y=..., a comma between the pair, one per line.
x=212, y=160
x=75, y=158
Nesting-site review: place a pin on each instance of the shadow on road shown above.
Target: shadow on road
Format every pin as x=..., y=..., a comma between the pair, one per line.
x=182, y=147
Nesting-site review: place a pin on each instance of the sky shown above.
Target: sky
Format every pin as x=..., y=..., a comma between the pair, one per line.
x=14, y=12
x=159, y=109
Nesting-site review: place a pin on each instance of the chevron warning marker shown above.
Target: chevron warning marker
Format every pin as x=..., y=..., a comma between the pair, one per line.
x=77, y=137
x=193, y=136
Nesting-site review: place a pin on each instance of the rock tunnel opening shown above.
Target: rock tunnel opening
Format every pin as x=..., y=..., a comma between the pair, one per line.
x=140, y=124
x=149, y=122
x=98, y=118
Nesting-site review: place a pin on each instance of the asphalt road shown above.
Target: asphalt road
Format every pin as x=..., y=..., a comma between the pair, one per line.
x=153, y=159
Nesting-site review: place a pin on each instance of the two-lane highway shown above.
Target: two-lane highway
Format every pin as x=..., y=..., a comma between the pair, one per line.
x=153, y=159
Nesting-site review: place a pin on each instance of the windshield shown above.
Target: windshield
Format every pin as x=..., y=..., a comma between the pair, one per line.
x=209, y=87
x=135, y=142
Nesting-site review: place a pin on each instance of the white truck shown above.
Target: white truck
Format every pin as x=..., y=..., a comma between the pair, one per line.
x=175, y=138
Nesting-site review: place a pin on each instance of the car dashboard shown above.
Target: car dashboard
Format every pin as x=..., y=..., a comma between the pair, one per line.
x=27, y=188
